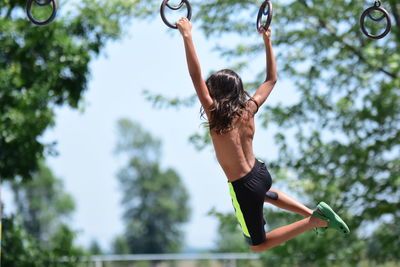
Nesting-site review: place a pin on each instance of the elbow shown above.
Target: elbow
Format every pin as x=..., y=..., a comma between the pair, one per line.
x=272, y=80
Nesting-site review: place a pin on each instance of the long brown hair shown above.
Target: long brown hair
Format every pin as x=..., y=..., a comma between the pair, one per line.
x=230, y=98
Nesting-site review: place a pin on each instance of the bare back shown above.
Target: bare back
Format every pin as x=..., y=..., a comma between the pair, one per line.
x=234, y=149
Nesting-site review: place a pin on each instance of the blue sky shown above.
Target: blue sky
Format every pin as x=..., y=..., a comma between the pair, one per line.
x=152, y=58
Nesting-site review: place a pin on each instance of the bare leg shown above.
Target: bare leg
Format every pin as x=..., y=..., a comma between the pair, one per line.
x=288, y=203
x=285, y=233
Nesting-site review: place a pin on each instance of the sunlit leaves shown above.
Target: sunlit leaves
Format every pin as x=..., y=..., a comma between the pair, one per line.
x=42, y=67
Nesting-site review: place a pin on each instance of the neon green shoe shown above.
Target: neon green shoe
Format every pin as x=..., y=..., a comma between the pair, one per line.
x=334, y=221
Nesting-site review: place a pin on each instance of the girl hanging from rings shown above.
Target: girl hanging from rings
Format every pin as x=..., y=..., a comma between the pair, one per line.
x=230, y=112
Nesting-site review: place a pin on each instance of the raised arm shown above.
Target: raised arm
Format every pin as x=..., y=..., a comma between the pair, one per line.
x=185, y=27
x=265, y=89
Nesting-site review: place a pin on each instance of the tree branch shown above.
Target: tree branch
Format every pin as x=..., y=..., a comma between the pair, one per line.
x=354, y=50
x=357, y=52
x=8, y=14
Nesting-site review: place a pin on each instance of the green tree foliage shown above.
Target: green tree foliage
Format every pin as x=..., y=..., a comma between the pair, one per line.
x=45, y=67
x=230, y=237
x=42, y=203
x=381, y=246
x=155, y=200
x=38, y=233
x=22, y=250
x=311, y=249
x=120, y=245
x=340, y=139
x=95, y=248
x=308, y=249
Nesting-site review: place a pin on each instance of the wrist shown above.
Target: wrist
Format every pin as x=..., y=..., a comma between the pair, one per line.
x=187, y=35
x=268, y=43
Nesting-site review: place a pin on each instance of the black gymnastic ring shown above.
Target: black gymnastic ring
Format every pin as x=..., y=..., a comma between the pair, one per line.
x=385, y=14
x=39, y=3
x=262, y=12
x=35, y=21
x=162, y=11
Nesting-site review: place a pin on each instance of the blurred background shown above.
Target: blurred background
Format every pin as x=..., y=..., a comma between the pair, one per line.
x=103, y=152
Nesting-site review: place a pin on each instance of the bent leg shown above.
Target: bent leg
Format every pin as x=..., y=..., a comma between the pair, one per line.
x=285, y=233
x=283, y=201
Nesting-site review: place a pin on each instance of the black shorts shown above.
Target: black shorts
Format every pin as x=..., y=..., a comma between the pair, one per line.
x=248, y=194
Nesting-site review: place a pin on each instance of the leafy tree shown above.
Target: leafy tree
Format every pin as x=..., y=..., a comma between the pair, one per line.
x=38, y=233
x=21, y=249
x=339, y=140
x=42, y=203
x=382, y=246
x=305, y=250
x=120, y=245
x=230, y=237
x=155, y=200
x=95, y=248
x=45, y=67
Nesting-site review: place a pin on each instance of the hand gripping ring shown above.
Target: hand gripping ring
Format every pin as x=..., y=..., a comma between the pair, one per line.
x=385, y=15
x=166, y=4
x=269, y=12
x=35, y=21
